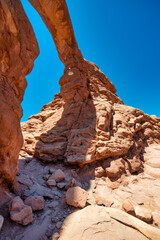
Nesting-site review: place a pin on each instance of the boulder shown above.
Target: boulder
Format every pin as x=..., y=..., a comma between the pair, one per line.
x=101, y=223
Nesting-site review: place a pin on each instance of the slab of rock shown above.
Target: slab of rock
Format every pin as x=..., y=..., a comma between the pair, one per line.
x=101, y=223
x=77, y=197
x=19, y=212
x=1, y=221
x=35, y=202
x=143, y=214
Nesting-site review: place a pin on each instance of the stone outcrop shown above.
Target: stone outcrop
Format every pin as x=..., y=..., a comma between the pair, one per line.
x=96, y=222
x=18, y=50
x=82, y=130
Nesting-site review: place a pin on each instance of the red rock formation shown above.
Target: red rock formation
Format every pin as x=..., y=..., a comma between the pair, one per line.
x=81, y=131
x=18, y=50
x=87, y=121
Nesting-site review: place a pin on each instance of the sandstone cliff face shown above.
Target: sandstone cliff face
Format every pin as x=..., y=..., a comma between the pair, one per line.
x=18, y=50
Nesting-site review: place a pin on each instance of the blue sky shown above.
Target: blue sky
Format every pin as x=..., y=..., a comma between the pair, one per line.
x=121, y=36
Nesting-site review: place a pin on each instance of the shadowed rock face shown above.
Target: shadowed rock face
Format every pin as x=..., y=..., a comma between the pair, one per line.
x=18, y=50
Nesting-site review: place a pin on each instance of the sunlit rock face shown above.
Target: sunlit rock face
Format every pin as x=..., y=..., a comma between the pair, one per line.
x=18, y=50
x=87, y=122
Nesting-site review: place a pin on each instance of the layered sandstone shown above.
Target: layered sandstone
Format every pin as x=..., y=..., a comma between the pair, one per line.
x=18, y=50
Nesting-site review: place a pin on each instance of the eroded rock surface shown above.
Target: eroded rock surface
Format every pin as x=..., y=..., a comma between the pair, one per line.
x=95, y=222
x=82, y=130
x=18, y=50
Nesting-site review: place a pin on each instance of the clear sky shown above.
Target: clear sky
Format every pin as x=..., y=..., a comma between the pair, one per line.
x=121, y=36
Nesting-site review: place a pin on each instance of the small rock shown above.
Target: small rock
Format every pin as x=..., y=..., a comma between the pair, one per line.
x=135, y=165
x=59, y=175
x=102, y=201
x=55, y=219
x=51, y=182
x=54, y=204
x=19, y=212
x=35, y=202
x=46, y=177
x=143, y=213
x=17, y=204
x=58, y=225
x=99, y=172
x=76, y=197
x=55, y=236
x=1, y=221
x=128, y=207
x=61, y=185
x=116, y=168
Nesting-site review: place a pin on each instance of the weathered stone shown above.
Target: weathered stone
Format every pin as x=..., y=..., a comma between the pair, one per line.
x=143, y=214
x=116, y=168
x=19, y=212
x=58, y=225
x=99, y=172
x=58, y=175
x=135, y=165
x=61, y=185
x=51, y=182
x=94, y=222
x=35, y=202
x=76, y=197
x=1, y=221
x=128, y=207
x=103, y=201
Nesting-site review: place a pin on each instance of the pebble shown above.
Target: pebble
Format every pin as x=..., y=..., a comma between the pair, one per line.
x=58, y=225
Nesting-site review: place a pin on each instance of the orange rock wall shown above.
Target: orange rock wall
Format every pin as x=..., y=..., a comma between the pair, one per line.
x=18, y=50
